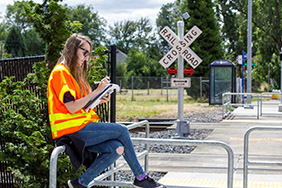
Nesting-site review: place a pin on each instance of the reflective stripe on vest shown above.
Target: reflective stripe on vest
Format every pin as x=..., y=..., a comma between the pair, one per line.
x=65, y=123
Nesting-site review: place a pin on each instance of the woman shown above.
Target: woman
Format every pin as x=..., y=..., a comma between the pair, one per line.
x=68, y=93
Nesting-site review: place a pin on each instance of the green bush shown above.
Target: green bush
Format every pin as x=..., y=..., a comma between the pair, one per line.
x=26, y=131
x=24, y=126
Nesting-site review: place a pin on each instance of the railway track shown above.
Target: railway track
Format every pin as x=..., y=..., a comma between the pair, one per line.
x=155, y=124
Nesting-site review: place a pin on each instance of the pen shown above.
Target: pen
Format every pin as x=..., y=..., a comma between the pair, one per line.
x=98, y=82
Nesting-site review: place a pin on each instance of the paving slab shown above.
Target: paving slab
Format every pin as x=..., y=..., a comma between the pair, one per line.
x=219, y=180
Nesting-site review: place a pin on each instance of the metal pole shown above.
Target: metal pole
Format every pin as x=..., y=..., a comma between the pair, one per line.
x=281, y=79
x=281, y=72
x=161, y=85
x=148, y=88
x=146, y=160
x=249, y=66
x=261, y=104
x=268, y=80
x=180, y=26
x=182, y=128
x=223, y=106
x=113, y=175
x=243, y=79
x=280, y=105
x=166, y=89
x=53, y=166
x=258, y=107
x=113, y=80
x=201, y=89
x=131, y=88
x=1, y=49
x=246, y=161
x=281, y=82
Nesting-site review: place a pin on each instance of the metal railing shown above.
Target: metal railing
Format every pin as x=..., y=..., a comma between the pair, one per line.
x=226, y=103
x=179, y=142
x=226, y=107
x=99, y=179
x=246, y=153
x=230, y=168
x=100, y=182
x=53, y=166
x=60, y=149
x=269, y=103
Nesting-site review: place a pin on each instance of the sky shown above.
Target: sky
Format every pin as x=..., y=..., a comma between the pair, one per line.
x=112, y=10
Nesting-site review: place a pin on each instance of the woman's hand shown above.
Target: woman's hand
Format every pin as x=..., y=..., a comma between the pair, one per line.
x=106, y=98
x=103, y=83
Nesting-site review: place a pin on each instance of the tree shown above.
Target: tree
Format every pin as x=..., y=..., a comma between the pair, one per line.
x=136, y=63
x=233, y=29
x=14, y=43
x=3, y=36
x=54, y=27
x=141, y=64
x=33, y=43
x=167, y=16
x=266, y=35
x=128, y=33
x=92, y=25
x=143, y=33
x=209, y=45
x=15, y=17
x=122, y=34
x=268, y=31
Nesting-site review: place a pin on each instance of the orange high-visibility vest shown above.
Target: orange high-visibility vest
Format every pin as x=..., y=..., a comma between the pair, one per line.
x=61, y=120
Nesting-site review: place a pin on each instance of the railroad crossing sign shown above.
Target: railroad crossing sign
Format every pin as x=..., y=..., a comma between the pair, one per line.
x=180, y=47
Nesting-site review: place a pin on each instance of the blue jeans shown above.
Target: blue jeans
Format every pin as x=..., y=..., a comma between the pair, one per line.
x=104, y=139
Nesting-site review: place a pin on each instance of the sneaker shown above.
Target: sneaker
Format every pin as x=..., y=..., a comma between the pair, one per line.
x=147, y=183
x=74, y=184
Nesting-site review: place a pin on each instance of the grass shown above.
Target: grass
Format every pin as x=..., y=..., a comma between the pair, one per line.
x=142, y=106
x=154, y=105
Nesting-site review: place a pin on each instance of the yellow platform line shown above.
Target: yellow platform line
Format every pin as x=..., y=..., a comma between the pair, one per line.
x=218, y=183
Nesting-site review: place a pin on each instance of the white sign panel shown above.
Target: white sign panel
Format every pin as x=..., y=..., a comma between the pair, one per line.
x=180, y=47
x=191, y=36
x=180, y=82
x=239, y=59
x=169, y=58
x=191, y=57
x=169, y=35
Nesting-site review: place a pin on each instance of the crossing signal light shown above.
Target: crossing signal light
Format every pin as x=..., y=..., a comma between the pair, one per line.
x=188, y=71
x=172, y=71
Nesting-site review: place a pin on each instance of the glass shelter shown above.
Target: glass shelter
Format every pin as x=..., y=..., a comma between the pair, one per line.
x=222, y=79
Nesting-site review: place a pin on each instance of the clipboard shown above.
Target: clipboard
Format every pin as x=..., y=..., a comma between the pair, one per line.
x=96, y=100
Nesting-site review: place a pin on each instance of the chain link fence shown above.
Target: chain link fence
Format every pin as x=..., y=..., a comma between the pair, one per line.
x=134, y=86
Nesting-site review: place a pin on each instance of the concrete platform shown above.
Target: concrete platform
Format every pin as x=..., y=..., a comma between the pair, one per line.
x=206, y=166
x=219, y=180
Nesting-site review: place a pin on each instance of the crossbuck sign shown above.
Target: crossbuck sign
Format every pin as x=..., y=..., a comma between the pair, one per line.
x=180, y=47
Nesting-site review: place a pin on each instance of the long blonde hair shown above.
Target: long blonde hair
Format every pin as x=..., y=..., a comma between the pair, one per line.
x=69, y=58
